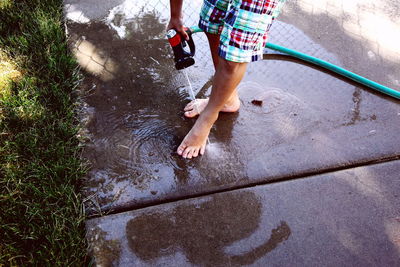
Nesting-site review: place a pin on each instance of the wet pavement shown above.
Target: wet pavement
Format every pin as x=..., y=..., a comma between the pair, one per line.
x=345, y=218
x=310, y=121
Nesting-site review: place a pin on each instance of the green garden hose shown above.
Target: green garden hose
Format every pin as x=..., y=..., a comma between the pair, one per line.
x=324, y=64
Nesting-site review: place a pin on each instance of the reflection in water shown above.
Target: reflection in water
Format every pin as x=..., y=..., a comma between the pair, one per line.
x=129, y=20
x=134, y=122
x=94, y=61
x=202, y=231
x=131, y=133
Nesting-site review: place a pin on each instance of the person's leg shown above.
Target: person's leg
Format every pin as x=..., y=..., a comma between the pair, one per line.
x=242, y=40
x=196, y=106
x=227, y=77
x=213, y=41
x=212, y=19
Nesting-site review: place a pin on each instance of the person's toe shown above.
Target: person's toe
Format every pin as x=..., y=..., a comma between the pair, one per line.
x=186, y=152
x=196, y=152
x=191, y=113
x=190, y=153
x=181, y=149
x=203, y=149
x=190, y=105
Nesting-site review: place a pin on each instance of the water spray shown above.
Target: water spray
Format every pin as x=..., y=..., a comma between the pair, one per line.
x=184, y=59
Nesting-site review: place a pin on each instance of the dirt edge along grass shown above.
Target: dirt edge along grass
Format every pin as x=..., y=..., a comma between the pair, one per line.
x=42, y=219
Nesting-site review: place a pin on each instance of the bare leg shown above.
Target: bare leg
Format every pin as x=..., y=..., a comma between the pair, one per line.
x=197, y=106
x=227, y=77
x=213, y=41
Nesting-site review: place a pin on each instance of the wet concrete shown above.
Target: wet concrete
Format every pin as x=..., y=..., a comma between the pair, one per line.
x=345, y=218
x=309, y=121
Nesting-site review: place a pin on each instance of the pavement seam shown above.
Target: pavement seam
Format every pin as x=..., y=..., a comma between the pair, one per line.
x=277, y=180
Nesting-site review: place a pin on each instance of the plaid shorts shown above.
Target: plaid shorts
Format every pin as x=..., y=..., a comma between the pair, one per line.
x=242, y=24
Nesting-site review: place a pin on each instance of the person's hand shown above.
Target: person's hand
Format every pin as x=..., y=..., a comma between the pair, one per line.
x=176, y=23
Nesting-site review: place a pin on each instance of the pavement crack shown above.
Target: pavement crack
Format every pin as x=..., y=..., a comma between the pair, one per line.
x=304, y=175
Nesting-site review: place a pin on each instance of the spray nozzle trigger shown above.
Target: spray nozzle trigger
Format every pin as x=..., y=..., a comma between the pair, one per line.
x=183, y=58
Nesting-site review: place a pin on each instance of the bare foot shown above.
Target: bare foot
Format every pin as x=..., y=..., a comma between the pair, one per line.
x=195, y=107
x=195, y=141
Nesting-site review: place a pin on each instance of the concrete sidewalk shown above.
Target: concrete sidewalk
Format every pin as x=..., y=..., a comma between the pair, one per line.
x=309, y=178
x=345, y=218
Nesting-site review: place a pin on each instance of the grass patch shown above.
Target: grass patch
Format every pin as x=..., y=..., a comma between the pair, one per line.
x=8, y=74
x=42, y=220
x=5, y=3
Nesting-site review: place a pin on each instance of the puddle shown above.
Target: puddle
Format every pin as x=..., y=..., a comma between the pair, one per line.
x=135, y=97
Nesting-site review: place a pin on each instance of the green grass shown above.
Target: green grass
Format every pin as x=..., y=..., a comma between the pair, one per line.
x=41, y=216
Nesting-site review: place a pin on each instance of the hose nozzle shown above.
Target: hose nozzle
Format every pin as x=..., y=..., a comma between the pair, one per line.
x=183, y=59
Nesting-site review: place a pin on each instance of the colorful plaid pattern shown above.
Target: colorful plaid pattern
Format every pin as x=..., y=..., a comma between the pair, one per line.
x=212, y=15
x=242, y=24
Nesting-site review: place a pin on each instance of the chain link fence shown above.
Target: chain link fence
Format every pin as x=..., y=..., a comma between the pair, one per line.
x=319, y=28
x=281, y=33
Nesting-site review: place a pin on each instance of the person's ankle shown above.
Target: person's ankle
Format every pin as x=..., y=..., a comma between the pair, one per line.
x=209, y=116
x=232, y=100
x=232, y=103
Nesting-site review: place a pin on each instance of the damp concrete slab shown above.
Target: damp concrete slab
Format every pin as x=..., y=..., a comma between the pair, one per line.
x=310, y=121
x=344, y=218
